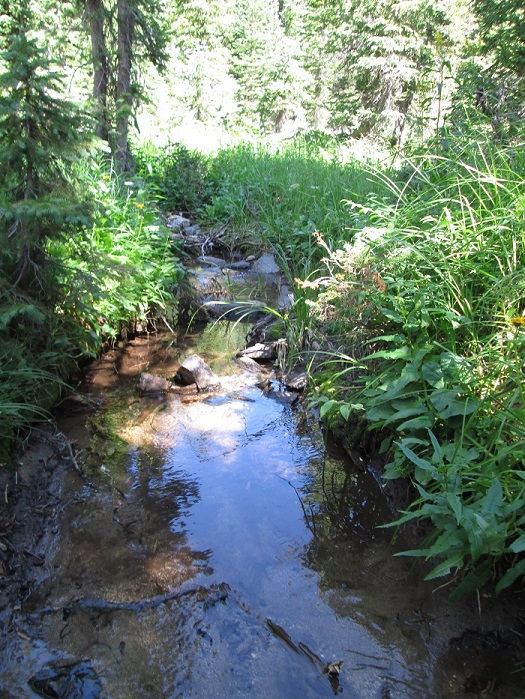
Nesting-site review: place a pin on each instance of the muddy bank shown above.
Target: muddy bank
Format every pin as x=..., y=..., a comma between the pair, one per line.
x=32, y=505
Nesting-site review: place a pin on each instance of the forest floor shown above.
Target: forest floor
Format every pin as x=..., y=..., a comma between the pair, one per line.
x=31, y=505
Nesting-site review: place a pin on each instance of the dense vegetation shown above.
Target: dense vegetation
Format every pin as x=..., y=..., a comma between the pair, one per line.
x=376, y=147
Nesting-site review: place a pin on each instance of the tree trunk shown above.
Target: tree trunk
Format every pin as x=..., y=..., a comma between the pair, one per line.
x=123, y=96
x=95, y=17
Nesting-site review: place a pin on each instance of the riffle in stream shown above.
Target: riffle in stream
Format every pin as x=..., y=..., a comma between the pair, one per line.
x=218, y=548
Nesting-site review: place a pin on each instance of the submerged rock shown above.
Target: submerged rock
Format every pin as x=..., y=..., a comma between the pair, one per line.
x=235, y=310
x=68, y=681
x=249, y=364
x=195, y=367
x=148, y=383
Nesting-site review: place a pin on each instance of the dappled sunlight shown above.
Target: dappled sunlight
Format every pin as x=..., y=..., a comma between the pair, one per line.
x=339, y=186
x=170, y=569
x=219, y=420
x=220, y=527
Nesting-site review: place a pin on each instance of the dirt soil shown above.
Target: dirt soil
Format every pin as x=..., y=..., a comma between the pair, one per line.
x=31, y=503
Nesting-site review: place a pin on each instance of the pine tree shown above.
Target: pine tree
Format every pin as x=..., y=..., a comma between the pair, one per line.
x=40, y=135
x=502, y=29
x=263, y=64
x=368, y=57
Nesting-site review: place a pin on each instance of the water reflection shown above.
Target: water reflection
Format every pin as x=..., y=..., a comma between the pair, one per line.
x=222, y=550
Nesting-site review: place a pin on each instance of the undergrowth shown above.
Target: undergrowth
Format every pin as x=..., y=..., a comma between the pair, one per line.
x=116, y=276
x=416, y=278
x=437, y=375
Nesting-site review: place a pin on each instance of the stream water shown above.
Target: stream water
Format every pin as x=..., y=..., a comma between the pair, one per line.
x=218, y=548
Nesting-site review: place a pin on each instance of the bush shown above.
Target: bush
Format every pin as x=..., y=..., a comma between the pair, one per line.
x=440, y=379
x=180, y=177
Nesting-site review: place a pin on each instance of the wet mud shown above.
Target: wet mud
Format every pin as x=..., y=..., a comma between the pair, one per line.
x=214, y=545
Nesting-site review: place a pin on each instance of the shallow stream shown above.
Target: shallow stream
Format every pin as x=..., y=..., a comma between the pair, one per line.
x=218, y=548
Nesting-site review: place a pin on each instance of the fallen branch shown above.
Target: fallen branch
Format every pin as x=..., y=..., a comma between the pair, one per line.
x=97, y=605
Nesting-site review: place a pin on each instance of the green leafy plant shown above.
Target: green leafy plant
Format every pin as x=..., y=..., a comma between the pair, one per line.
x=178, y=175
x=440, y=385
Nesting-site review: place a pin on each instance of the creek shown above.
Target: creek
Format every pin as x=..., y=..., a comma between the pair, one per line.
x=219, y=547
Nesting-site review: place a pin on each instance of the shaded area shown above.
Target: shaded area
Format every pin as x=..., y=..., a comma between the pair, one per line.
x=73, y=680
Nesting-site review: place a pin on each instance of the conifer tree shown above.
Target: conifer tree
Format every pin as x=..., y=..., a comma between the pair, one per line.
x=124, y=34
x=368, y=58
x=502, y=29
x=40, y=135
x=262, y=63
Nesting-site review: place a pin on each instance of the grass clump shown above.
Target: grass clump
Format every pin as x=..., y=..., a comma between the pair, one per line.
x=178, y=176
x=286, y=193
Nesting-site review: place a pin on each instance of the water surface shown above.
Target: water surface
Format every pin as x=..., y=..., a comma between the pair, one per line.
x=219, y=548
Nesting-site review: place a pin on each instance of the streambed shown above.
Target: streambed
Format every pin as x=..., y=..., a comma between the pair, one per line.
x=217, y=547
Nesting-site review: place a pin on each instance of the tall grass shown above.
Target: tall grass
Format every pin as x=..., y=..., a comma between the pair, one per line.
x=279, y=198
x=441, y=382
x=286, y=194
x=270, y=197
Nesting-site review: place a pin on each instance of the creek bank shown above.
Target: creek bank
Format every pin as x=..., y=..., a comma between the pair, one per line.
x=477, y=653
x=33, y=503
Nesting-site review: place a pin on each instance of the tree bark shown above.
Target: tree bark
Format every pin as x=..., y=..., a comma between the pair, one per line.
x=123, y=96
x=95, y=16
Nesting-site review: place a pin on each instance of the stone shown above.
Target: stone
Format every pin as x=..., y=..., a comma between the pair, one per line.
x=249, y=364
x=295, y=379
x=210, y=261
x=148, y=383
x=203, y=376
x=184, y=377
x=239, y=265
x=232, y=310
x=263, y=350
x=194, y=230
x=184, y=391
x=286, y=298
x=65, y=681
x=178, y=222
x=266, y=264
